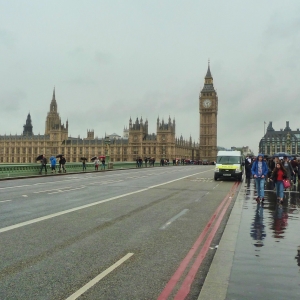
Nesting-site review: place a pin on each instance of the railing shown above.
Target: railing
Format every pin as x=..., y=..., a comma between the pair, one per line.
x=17, y=170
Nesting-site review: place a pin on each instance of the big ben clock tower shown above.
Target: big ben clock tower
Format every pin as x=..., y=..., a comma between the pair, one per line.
x=208, y=108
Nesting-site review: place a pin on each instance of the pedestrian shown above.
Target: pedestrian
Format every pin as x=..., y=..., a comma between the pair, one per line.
x=83, y=165
x=278, y=175
x=288, y=167
x=248, y=165
x=259, y=171
x=96, y=162
x=53, y=164
x=62, y=162
x=103, y=163
x=43, y=164
x=294, y=164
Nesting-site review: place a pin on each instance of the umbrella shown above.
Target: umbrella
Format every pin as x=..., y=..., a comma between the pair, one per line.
x=59, y=155
x=83, y=158
x=102, y=156
x=93, y=158
x=282, y=154
x=39, y=157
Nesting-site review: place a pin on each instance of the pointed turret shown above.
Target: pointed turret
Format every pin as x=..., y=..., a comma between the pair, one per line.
x=208, y=73
x=27, y=128
x=208, y=82
x=53, y=104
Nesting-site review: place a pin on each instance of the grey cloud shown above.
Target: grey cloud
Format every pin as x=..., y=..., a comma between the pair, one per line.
x=11, y=100
x=7, y=39
x=102, y=57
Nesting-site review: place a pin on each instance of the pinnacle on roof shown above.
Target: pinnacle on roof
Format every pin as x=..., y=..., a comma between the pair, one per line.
x=208, y=74
x=53, y=97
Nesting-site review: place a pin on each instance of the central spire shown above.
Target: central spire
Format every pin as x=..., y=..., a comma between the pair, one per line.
x=208, y=73
x=53, y=104
x=53, y=97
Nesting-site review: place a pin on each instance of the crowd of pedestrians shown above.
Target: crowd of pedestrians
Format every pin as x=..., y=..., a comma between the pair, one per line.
x=281, y=171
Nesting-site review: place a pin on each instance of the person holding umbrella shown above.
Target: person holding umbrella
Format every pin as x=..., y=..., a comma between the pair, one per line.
x=43, y=164
x=62, y=162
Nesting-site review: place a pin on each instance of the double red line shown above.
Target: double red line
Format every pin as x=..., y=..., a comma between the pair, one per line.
x=187, y=282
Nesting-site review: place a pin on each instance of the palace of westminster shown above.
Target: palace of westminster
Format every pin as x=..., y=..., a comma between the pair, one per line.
x=136, y=141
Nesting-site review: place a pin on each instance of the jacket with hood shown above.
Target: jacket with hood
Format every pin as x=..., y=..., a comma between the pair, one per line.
x=254, y=169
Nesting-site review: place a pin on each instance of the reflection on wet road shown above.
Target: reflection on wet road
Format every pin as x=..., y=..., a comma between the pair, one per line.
x=266, y=262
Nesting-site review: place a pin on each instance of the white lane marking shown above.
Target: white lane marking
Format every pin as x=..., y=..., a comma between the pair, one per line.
x=45, y=191
x=99, y=277
x=62, y=191
x=24, y=196
x=5, y=200
x=8, y=228
x=173, y=219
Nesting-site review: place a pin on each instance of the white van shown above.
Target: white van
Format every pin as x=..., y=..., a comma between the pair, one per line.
x=230, y=164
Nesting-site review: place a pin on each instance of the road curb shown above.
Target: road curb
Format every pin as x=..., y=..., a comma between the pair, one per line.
x=217, y=280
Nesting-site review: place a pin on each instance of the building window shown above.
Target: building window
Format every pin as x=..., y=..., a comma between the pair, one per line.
x=125, y=150
x=24, y=159
x=23, y=150
x=29, y=159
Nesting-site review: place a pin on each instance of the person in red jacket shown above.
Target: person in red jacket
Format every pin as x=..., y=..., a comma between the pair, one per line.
x=278, y=175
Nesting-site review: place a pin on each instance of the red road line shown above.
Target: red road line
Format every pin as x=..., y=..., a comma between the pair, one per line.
x=175, y=278
x=186, y=285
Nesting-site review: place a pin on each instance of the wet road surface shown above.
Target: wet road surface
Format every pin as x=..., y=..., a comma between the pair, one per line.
x=115, y=235
x=266, y=263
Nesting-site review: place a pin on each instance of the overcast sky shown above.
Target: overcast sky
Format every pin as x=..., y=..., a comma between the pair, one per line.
x=110, y=60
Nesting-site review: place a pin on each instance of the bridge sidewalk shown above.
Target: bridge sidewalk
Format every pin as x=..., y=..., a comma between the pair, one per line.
x=257, y=256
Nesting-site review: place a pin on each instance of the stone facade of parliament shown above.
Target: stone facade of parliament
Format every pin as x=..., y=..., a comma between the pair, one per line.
x=26, y=147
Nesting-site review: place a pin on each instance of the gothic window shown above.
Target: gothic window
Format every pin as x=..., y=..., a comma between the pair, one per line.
x=135, y=138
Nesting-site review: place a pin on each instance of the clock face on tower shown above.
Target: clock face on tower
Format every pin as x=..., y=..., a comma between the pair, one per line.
x=206, y=103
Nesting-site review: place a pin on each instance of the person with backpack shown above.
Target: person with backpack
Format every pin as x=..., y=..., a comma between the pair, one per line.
x=259, y=171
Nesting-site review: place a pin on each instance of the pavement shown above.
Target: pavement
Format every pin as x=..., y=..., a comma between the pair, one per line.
x=258, y=256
